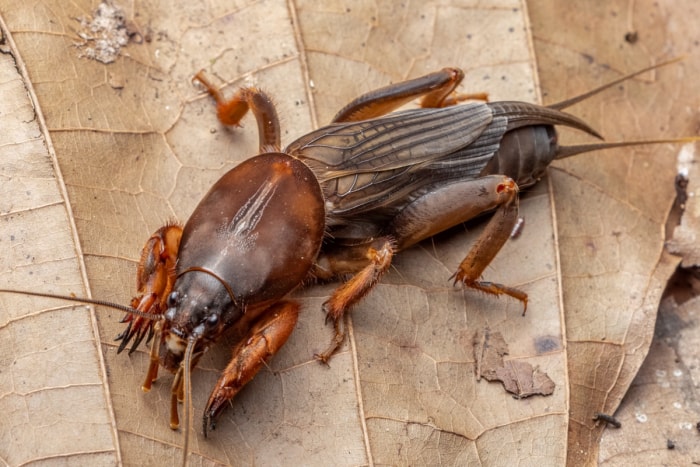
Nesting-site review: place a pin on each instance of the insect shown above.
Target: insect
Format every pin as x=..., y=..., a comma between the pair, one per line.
x=609, y=419
x=340, y=201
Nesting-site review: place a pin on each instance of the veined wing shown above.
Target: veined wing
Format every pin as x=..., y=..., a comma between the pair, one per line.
x=372, y=164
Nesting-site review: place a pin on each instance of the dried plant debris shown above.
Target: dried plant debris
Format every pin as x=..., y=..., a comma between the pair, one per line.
x=104, y=34
x=518, y=377
x=521, y=379
x=489, y=349
x=685, y=236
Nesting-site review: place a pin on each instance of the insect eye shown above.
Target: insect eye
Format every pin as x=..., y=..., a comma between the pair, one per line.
x=213, y=319
x=173, y=299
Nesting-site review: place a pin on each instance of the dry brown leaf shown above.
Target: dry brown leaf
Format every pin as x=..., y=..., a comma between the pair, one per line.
x=51, y=379
x=137, y=154
x=139, y=145
x=662, y=404
x=611, y=208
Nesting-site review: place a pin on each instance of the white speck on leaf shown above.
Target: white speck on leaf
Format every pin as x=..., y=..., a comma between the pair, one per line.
x=104, y=34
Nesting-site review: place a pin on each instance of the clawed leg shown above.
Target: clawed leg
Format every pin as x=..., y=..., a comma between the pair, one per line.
x=439, y=209
x=437, y=90
x=155, y=279
x=489, y=243
x=457, y=202
x=264, y=340
x=231, y=111
x=370, y=262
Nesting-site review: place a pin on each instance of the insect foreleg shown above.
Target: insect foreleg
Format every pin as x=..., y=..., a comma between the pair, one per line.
x=155, y=279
